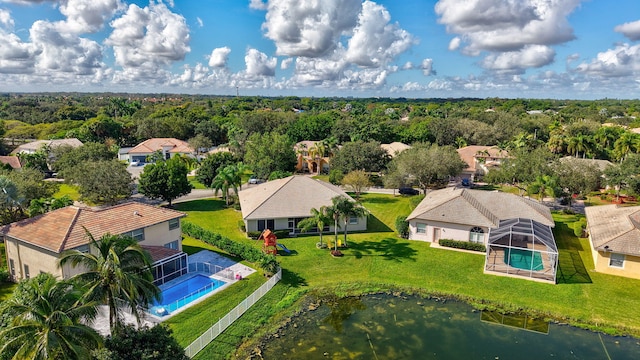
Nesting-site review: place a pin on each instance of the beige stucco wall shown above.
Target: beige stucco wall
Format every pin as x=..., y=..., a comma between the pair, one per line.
x=631, y=268
x=38, y=259
x=42, y=260
x=283, y=224
x=448, y=231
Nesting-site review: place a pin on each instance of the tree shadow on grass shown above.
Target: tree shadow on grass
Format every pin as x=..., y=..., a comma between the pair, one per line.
x=201, y=205
x=380, y=200
x=571, y=269
x=387, y=248
x=292, y=279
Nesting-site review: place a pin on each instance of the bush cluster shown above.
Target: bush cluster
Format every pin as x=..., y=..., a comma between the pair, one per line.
x=467, y=245
x=402, y=227
x=268, y=263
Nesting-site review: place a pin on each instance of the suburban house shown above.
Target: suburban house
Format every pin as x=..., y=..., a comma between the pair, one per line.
x=34, y=245
x=395, y=148
x=11, y=161
x=516, y=231
x=313, y=157
x=479, y=160
x=596, y=163
x=35, y=146
x=281, y=204
x=168, y=147
x=614, y=235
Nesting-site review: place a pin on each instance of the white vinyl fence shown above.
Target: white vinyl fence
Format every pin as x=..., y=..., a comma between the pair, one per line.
x=217, y=328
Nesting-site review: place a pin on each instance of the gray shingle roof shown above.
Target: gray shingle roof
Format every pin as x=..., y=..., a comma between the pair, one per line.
x=479, y=208
x=614, y=227
x=293, y=196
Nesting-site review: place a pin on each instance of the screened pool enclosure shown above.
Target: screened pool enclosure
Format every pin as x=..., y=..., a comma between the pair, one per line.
x=522, y=248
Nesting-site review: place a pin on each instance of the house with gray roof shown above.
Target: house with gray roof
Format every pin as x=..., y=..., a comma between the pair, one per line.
x=35, y=146
x=281, y=204
x=614, y=235
x=516, y=231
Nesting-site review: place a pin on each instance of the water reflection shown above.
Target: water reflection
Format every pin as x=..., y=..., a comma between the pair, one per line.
x=519, y=321
x=387, y=327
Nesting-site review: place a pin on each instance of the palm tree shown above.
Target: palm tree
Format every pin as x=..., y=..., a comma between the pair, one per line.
x=579, y=144
x=543, y=185
x=334, y=213
x=348, y=209
x=226, y=179
x=50, y=325
x=119, y=274
x=625, y=144
x=318, y=219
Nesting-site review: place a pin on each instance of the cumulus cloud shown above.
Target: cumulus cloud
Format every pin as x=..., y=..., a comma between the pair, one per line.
x=145, y=38
x=623, y=60
x=631, y=30
x=407, y=66
x=87, y=16
x=518, y=28
x=259, y=64
x=309, y=28
x=375, y=41
x=6, y=22
x=284, y=64
x=219, y=56
x=427, y=67
x=319, y=72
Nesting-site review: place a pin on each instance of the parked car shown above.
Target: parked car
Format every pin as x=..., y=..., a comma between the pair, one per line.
x=255, y=181
x=466, y=182
x=134, y=163
x=408, y=191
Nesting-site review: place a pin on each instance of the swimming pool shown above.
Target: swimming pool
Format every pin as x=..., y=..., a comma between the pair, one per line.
x=184, y=292
x=524, y=259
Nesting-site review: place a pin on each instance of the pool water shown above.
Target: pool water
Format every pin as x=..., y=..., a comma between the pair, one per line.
x=522, y=259
x=184, y=292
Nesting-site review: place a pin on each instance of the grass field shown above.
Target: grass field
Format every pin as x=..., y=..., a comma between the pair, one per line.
x=69, y=190
x=379, y=260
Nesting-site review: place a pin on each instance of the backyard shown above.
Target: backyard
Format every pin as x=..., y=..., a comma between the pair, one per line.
x=379, y=260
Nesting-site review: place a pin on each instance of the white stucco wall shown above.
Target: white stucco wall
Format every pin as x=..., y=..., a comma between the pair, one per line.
x=448, y=231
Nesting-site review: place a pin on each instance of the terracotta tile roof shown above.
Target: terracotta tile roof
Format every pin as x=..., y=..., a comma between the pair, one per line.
x=160, y=252
x=614, y=227
x=12, y=161
x=157, y=144
x=469, y=154
x=478, y=208
x=293, y=196
x=64, y=228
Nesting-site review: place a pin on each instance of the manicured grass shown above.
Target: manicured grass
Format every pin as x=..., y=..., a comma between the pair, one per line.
x=195, y=183
x=6, y=288
x=378, y=259
x=69, y=190
x=212, y=214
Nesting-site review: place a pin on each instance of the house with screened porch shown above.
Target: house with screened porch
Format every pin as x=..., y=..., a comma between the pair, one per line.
x=516, y=231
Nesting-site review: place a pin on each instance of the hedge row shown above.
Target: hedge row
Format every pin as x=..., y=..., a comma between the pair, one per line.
x=467, y=245
x=268, y=263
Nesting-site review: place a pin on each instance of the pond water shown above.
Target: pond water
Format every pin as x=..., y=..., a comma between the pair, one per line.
x=387, y=327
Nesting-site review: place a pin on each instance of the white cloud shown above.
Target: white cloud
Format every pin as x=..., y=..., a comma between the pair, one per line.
x=319, y=72
x=284, y=64
x=407, y=66
x=375, y=42
x=531, y=56
x=6, y=22
x=219, y=56
x=87, y=16
x=259, y=64
x=309, y=28
x=512, y=27
x=631, y=30
x=623, y=60
x=149, y=37
x=199, y=21
x=427, y=67
x=257, y=5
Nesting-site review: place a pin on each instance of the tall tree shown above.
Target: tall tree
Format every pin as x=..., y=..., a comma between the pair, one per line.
x=210, y=166
x=50, y=322
x=357, y=181
x=102, y=182
x=146, y=343
x=118, y=274
x=266, y=153
x=348, y=209
x=360, y=155
x=318, y=219
x=227, y=179
x=166, y=180
x=11, y=203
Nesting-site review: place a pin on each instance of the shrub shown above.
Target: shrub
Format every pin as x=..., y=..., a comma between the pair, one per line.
x=335, y=177
x=402, y=227
x=268, y=263
x=4, y=275
x=466, y=245
x=241, y=225
x=281, y=234
x=415, y=200
x=579, y=227
x=254, y=234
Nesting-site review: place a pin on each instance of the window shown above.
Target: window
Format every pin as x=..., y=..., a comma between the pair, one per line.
x=266, y=224
x=421, y=228
x=13, y=268
x=476, y=235
x=616, y=260
x=137, y=234
x=26, y=271
x=174, y=224
x=83, y=248
x=353, y=220
x=172, y=245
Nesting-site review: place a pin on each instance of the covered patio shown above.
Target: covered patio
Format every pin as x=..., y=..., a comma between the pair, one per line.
x=522, y=248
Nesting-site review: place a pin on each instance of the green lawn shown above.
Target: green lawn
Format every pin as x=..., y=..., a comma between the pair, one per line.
x=69, y=190
x=195, y=183
x=6, y=288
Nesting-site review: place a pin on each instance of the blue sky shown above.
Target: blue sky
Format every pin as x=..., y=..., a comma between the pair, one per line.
x=576, y=49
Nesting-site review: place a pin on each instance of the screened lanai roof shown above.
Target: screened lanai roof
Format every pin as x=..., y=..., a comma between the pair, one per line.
x=527, y=227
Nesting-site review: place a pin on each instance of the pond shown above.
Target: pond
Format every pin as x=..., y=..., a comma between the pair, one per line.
x=389, y=327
